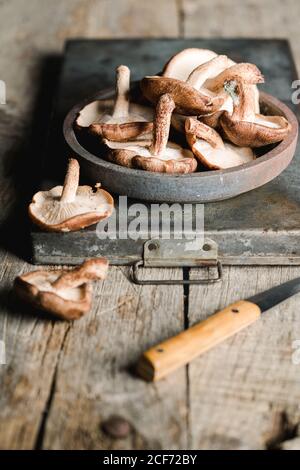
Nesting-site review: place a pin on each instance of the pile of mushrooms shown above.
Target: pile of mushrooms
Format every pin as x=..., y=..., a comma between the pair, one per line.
x=202, y=111
x=65, y=294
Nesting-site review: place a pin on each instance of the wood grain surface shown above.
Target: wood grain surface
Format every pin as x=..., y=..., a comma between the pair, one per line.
x=61, y=382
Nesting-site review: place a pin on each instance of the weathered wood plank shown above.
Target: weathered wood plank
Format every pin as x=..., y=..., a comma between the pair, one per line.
x=133, y=18
x=243, y=394
x=249, y=18
x=32, y=346
x=35, y=345
x=93, y=377
x=239, y=389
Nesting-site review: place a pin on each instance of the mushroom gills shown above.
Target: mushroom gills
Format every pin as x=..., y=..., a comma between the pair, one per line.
x=226, y=157
x=93, y=111
x=137, y=113
x=171, y=152
x=211, y=150
x=159, y=155
x=99, y=111
x=66, y=294
x=182, y=64
x=44, y=283
x=266, y=121
x=246, y=127
x=70, y=207
x=214, y=74
x=123, y=121
x=50, y=210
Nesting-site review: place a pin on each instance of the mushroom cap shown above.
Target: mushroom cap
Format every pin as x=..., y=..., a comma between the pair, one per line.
x=213, y=120
x=247, y=72
x=174, y=159
x=90, y=270
x=201, y=76
x=211, y=151
x=263, y=130
x=184, y=62
x=96, y=118
x=121, y=132
x=49, y=213
x=68, y=303
x=220, y=159
x=92, y=112
x=187, y=99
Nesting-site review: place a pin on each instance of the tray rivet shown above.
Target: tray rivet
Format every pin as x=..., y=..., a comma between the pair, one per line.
x=152, y=246
x=206, y=247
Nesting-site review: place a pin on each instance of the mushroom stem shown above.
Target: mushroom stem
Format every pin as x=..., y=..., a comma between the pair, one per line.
x=207, y=70
x=197, y=129
x=90, y=270
x=161, y=125
x=247, y=73
x=243, y=97
x=71, y=181
x=121, y=107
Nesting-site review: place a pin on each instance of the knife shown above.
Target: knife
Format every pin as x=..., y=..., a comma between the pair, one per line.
x=175, y=352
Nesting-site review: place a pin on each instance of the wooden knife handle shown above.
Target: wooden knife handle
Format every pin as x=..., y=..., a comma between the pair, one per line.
x=167, y=356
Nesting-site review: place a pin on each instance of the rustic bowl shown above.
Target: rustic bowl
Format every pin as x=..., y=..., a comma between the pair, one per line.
x=206, y=186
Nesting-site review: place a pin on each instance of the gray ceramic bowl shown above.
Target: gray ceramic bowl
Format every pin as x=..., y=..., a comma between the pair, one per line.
x=206, y=186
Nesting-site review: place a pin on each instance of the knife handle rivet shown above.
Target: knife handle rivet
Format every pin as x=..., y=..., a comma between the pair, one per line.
x=235, y=310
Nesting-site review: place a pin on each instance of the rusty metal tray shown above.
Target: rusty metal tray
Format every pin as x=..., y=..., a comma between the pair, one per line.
x=259, y=227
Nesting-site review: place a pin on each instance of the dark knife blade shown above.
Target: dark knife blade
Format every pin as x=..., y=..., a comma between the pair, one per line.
x=271, y=297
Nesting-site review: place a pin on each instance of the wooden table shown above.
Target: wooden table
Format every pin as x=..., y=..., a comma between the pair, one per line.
x=62, y=381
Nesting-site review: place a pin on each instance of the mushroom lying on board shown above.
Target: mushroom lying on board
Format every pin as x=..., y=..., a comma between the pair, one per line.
x=65, y=294
x=244, y=127
x=184, y=62
x=210, y=149
x=70, y=207
x=122, y=121
x=158, y=155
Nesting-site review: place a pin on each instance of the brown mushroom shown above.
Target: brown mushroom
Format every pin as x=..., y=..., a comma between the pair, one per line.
x=92, y=112
x=210, y=149
x=214, y=83
x=209, y=78
x=184, y=62
x=226, y=69
x=244, y=72
x=198, y=79
x=70, y=207
x=65, y=294
x=245, y=127
x=159, y=155
x=188, y=100
x=122, y=120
